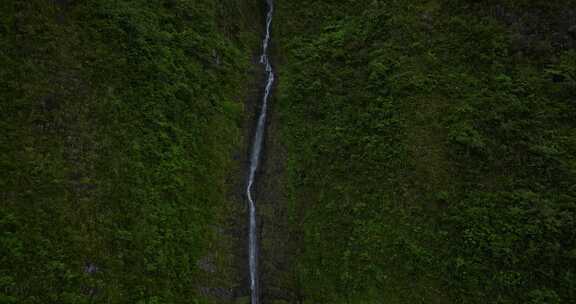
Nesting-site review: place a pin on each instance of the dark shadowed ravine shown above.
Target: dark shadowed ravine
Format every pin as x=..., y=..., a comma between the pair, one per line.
x=255, y=155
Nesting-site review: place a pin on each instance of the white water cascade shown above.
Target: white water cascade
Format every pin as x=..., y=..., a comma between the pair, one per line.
x=255, y=159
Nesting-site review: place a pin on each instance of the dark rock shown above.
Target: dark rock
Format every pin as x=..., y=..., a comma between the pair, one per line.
x=556, y=78
x=90, y=268
x=572, y=31
x=49, y=103
x=217, y=292
x=61, y=2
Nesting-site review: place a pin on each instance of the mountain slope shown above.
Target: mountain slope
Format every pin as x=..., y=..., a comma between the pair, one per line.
x=119, y=119
x=431, y=149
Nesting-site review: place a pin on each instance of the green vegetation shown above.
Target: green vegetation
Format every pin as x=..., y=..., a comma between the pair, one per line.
x=118, y=120
x=431, y=150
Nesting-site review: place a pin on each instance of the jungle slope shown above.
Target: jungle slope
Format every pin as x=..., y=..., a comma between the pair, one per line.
x=431, y=149
x=118, y=123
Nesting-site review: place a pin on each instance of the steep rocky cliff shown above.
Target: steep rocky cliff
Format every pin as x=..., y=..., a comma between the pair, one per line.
x=119, y=121
x=430, y=150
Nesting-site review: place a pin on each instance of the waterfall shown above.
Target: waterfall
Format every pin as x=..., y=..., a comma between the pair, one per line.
x=255, y=159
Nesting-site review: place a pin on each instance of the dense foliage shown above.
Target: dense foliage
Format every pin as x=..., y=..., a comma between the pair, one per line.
x=431, y=149
x=117, y=124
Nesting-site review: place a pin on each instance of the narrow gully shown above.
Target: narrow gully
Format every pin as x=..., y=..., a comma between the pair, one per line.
x=255, y=155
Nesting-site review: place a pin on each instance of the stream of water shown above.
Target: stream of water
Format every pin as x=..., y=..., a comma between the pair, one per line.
x=255, y=158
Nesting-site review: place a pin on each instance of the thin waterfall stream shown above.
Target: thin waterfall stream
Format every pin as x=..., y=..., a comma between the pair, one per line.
x=255, y=159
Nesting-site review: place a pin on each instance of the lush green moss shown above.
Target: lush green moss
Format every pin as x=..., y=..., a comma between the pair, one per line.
x=118, y=120
x=430, y=148
x=431, y=159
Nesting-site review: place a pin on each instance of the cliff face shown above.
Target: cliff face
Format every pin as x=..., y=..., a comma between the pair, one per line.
x=430, y=149
x=118, y=123
x=417, y=152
